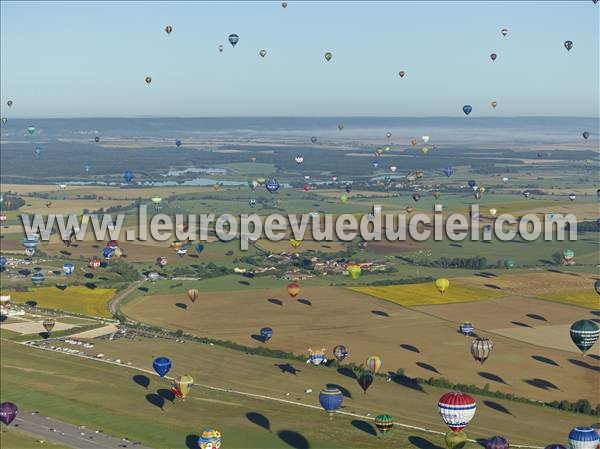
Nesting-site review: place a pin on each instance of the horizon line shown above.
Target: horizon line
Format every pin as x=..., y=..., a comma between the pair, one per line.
x=303, y=117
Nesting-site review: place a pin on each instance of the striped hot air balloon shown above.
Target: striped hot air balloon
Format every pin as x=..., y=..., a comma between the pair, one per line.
x=340, y=352
x=384, y=423
x=193, y=294
x=466, y=328
x=457, y=409
x=373, y=364
x=293, y=289
x=316, y=357
x=583, y=438
x=496, y=443
x=481, y=349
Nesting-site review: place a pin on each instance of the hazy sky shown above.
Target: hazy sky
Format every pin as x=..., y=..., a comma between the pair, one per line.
x=72, y=59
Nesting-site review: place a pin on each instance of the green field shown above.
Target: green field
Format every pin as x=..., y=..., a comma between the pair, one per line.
x=13, y=438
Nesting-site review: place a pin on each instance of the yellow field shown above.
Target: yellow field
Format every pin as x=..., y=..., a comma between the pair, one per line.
x=77, y=299
x=426, y=294
x=587, y=299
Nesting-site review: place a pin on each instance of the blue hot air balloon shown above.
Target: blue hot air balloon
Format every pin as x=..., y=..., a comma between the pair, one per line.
x=30, y=243
x=68, y=269
x=108, y=253
x=467, y=109
x=3, y=262
x=448, y=171
x=37, y=151
x=266, y=333
x=177, y=143
x=233, y=39
x=375, y=164
x=87, y=168
x=331, y=400
x=161, y=365
x=38, y=278
x=272, y=185
x=199, y=247
x=472, y=183
x=128, y=176
x=583, y=438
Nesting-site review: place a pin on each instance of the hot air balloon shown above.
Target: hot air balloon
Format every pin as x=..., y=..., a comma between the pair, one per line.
x=496, y=443
x=8, y=412
x=233, y=39
x=331, y=400
x=494, y=104
x=572, y=197
x=457, y=409
x=393, y=168
x=586, y=135
x=481, y=349
x=466, y=328
x=177, y=143
x=220, y=47
x=401, y=73
x=293, y=289
x=414, y=142
x=425, y=139
x=424, y=150
x=568, y=45
x=313, y=139
x=328, y=56
x=493, y=211
x=209, y=439
x=272, y=185
x=161, y=365
x=181, y=385
x=583, y=438
x=38, y=279
x=343, y=198
x=193, y=294
x=128, y=176
x=68, y=269
x=493, y=56
x=284, y=5
x=467, y=109
x=299, y=159
x=252, y=202
x=504, y=31
x=295, y=243
x=266, y=333
x=584, y=334
x=3, y=262
x=37, y=151
x=448, y=171
x=316, y=357
x=153, y=276
x=96, y=139
x=48, y=324
x=31, y=130
x=340, y=352
x=416, y=196
x=384, y=423
x=148, y=79
x=9, y=103
x=365, y=380
x=182, y=251
x=509, y=264
x=568, y=255
x=373, y=364
x=168, y=29
x=354, y=271
x=4, y=120
x=442, y=284
x=262, y=53
x=340, y=126
x=455, y=440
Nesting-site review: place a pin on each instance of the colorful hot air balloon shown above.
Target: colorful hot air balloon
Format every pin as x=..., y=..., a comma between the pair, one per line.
x=284, y=5
x=442, y=284
x=493, y=211
x=210, y=439
x=68, y=269
x=457, y=409
x=568, y=45
x=354, y=271
x=496, y=443
x=328, y=56
x=161, y=365
x=455, y=440
x=266, y=333
x=316, y=357
x=424, y=150
x=161, y=261
x=493, y=56
x=583, y=438
x=584, y=334
x=467, y=109
x=481, y=349
x=181, y=385
x=466, y=328
x=48, y=324
x=568, y=255
x=233, y=39
x=331, y=400
x=384, y=423
x=293, y=289
x=340, y=352
x=8, y=412
x=365, y=380
x=193, y=294
x=373, y=364
x=272, y=185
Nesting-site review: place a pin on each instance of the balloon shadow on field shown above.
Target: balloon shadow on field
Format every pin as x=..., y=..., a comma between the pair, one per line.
x=535, y=316
x=405, y=381
x=90, y=285
x=89, y=275
x=246, y=283
x=455, y=245
x=141, y=380
x=546, y=360
x=191, y=441
x=144, y=289
x=347, y=372
x=492, y=376
x=181, y=305
x=306, y=302
x=294, y=439
x=275, y=301
x=155, y=400
x=410, y=348
x=258, y=338
x=380, y=313
x=364, y=426
x=61, y=287
x=167, y=395
x=44, y=335
x=582, y=364
x=541, y=383
x=495, y=287
x=595, y=312
x=518, y=323
x=344, y=390
x=422, y=443
x=259, y=419
x=498, y=407
x=594, y=356
x=428, y=367
x=287, y=368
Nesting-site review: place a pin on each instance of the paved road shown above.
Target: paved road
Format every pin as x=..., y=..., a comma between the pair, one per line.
x=49, y=429
x=113, y=305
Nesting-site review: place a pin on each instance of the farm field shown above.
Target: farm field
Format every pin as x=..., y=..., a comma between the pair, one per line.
x=424, y=344
x=13, y=438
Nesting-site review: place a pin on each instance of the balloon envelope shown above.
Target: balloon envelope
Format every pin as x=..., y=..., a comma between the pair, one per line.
x=584, y=333
x=496, y=442
x=161, y=365
x=233, y=39
x=8, y=412
x=442, y=284
x=331, y=399
x=266, y=333
x=481, y=349
x=467, y=109
x=583, y=438
x=457, y=409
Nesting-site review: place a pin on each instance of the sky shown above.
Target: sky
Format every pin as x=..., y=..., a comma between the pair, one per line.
x=89, y=59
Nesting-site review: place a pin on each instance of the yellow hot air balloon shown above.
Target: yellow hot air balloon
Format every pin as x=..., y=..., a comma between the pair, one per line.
x=181, y=385
x=293, y=289
x=424, y=150
x=354, y=270
x=295, y=242
x=193, y=294
x=442, y=284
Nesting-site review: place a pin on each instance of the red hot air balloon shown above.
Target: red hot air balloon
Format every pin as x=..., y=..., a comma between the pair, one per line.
x=457, y=409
